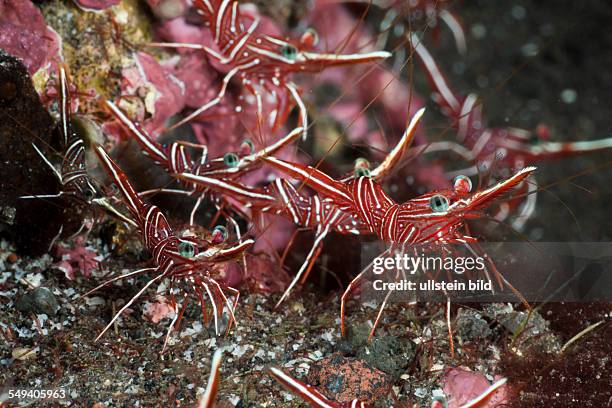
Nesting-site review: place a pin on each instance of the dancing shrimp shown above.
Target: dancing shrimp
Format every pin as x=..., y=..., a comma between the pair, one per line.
x=322, y=215
x=75, y=183
x=262, y=63
x=180, y=258
x=435, y=217
x=175, y=159
x=509, y=147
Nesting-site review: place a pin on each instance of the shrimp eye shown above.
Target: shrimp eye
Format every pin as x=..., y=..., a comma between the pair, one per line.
x=289, y=52
x=247, y=147
x=310, y=38
x=89, y=194
x=230, y=159
x=186, y=249
x=438, y=203
x=362, y=172
x=362, y=163
x=462, y=184
x=219, y=234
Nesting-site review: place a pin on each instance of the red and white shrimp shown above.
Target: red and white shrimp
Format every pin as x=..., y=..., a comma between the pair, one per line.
x=281, y=198
x=262, y=63
x=75, y=183
x=322, y=215
x=72, y=175
x=175, y=159
x=309, y=393
x=508, y=147
x=435, y=217
x=186, y=260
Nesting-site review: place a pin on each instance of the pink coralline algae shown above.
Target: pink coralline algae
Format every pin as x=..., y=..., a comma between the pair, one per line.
x=158, y=310
x=76, y=258
x=96, y=5
x=167, y=9
x=462, y=386
x=199, y=79
x=159, y=93
x=180, y=31
x=376, y=83
x=264, y=275
x=391, y=97
x=24, y=34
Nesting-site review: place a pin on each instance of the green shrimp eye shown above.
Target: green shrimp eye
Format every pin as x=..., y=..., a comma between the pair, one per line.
x=219, y=234
x=230, y=159
x=247, y=146
x=89, y=194
x=289, y=52
x=362, y=172
x=362, y=163
x=462, y=184
x=438, y=203
x=186, y=249
x=534, y=139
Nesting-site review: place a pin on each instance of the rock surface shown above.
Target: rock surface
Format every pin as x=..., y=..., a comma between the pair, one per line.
x=39, y=300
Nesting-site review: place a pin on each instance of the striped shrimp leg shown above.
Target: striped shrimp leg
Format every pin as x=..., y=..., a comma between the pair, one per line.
x=309, y=393
x=446, y=97
x=321, y=215
x=73, y=174
x=174, y=158
x=152, y=223
x=208, y=399
x=308, y=212
x=485, y=394
x=75, y=180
